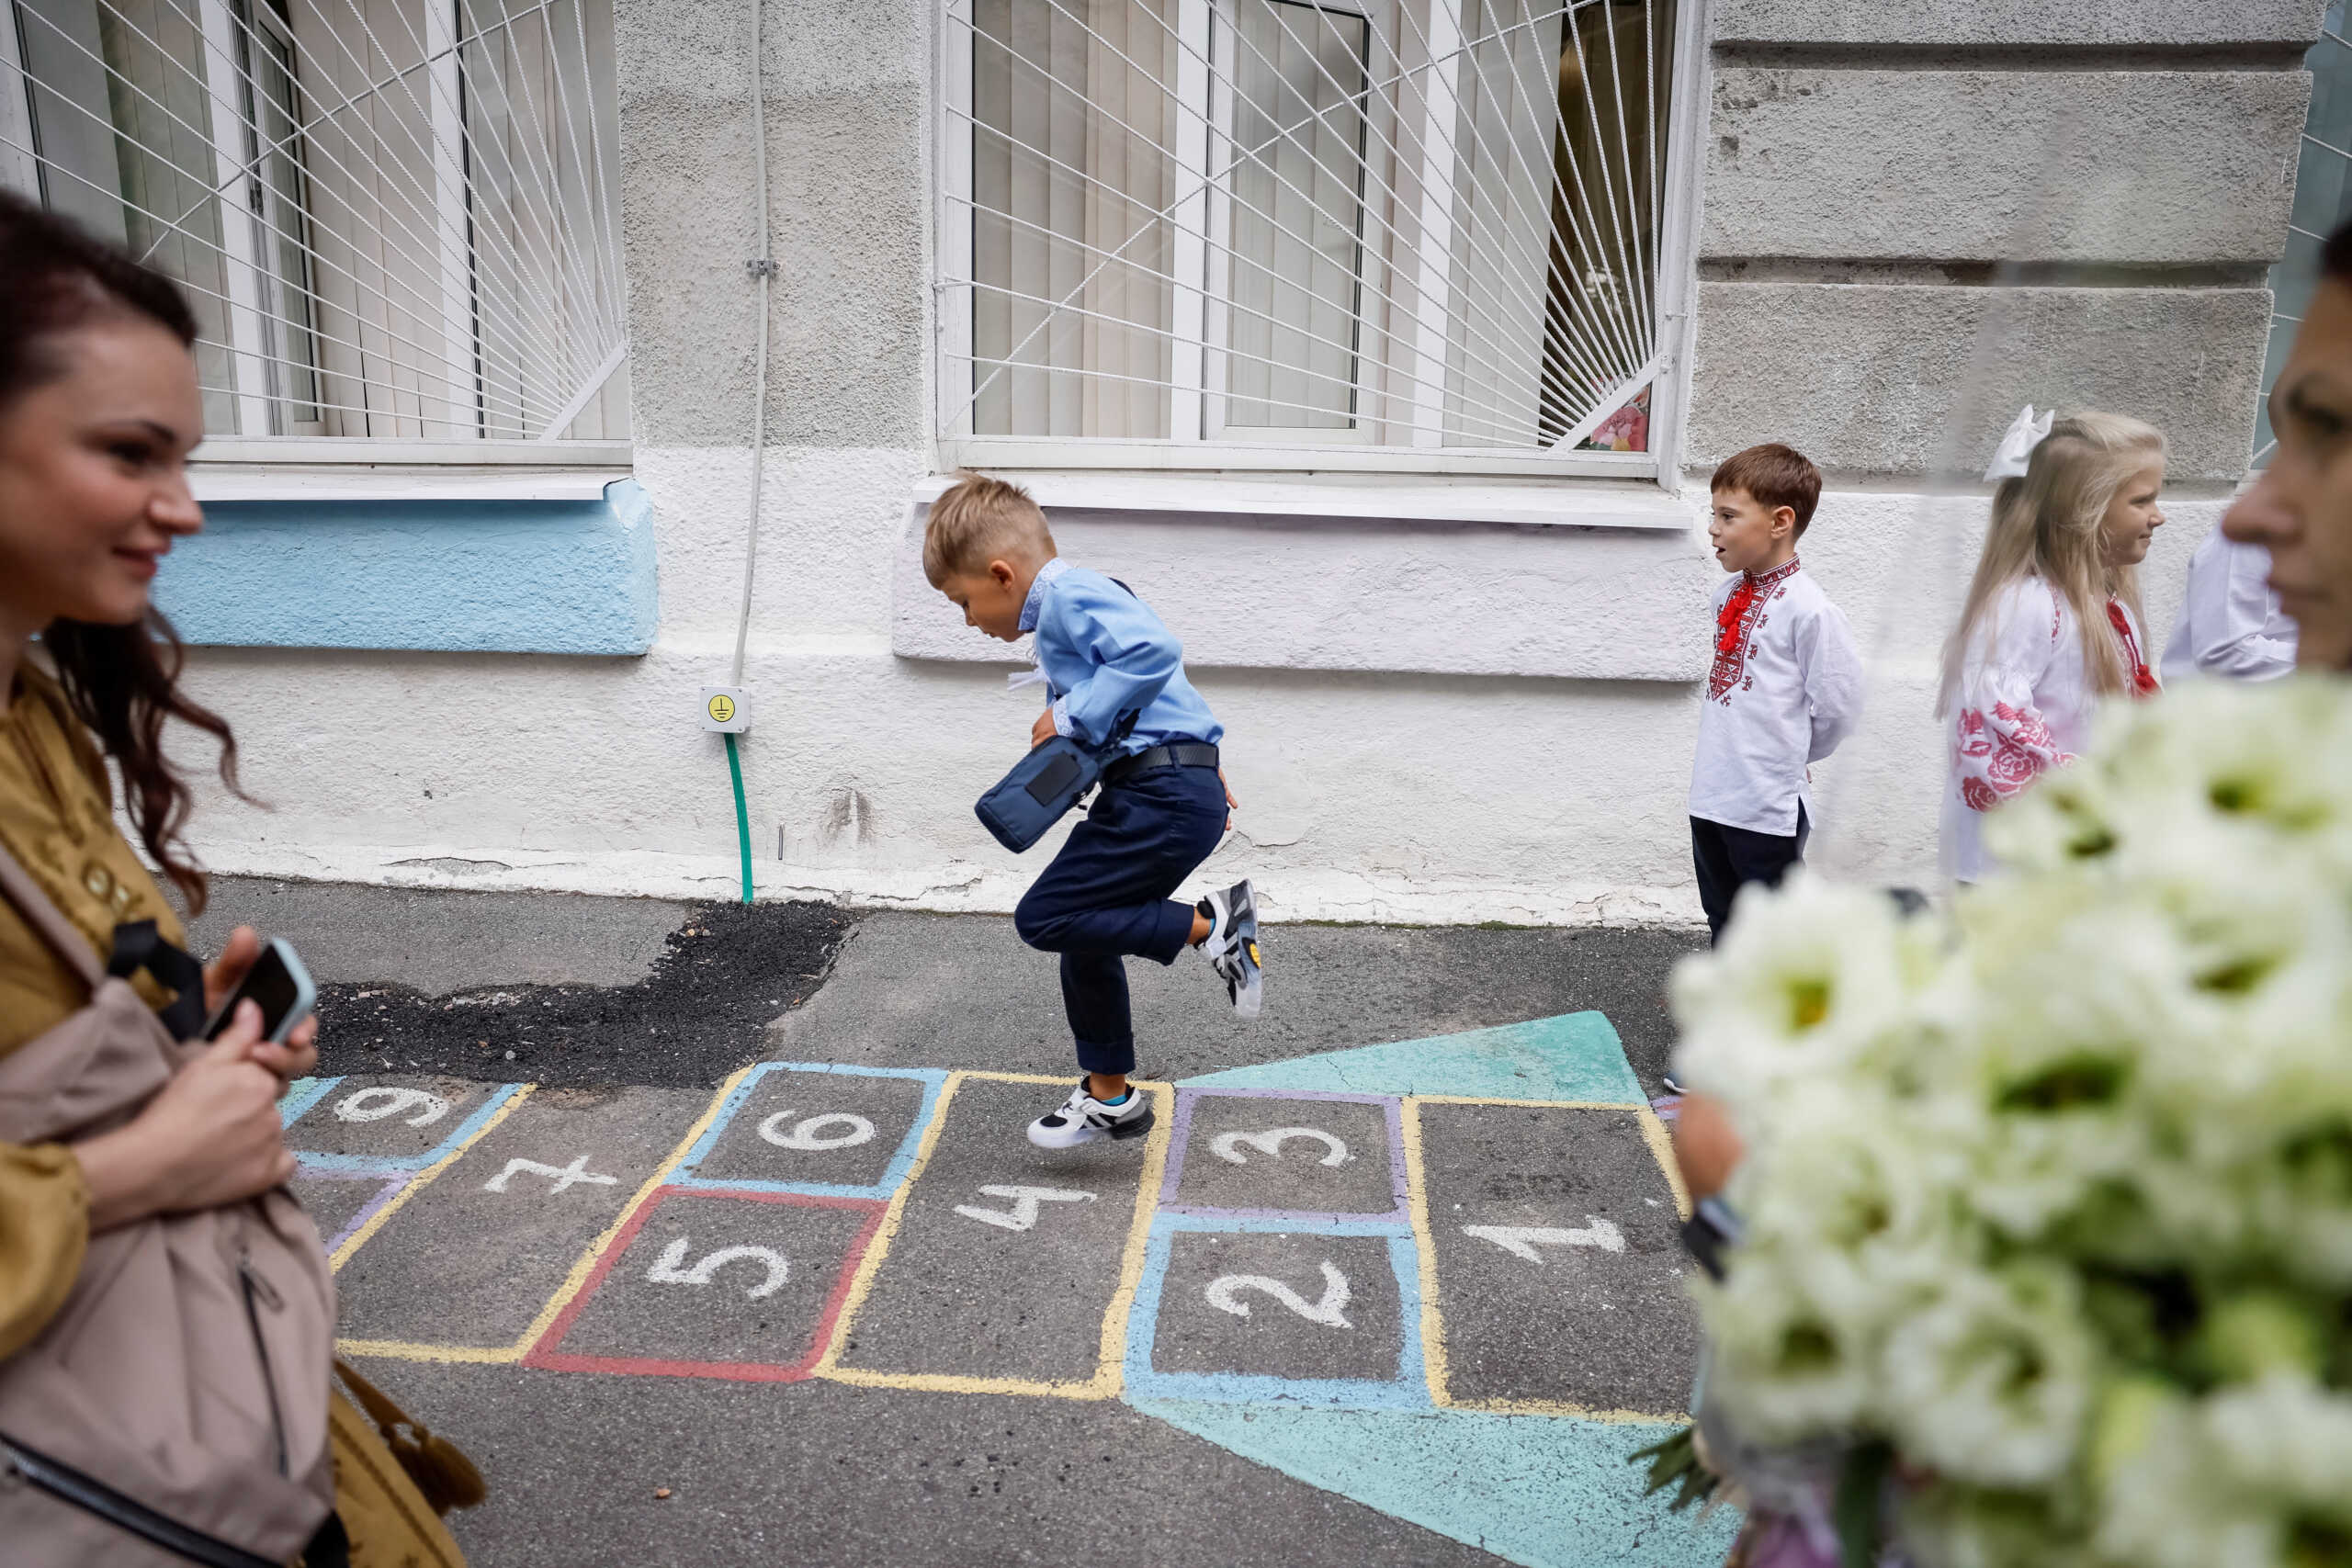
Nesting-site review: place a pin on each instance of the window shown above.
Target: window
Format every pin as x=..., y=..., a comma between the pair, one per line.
x=394, y=218
x=1305, y=233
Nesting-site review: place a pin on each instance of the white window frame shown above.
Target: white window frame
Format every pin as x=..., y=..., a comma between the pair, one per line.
x=1192, y=399
x=233, y=129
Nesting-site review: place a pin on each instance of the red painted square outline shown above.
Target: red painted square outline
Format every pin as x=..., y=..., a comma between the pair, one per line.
x=547, y=1355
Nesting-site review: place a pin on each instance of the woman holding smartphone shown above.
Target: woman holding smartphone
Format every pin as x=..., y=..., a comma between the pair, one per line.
x=99, y=409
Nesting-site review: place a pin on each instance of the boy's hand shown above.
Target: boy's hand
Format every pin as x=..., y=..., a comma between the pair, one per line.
x=1231, y=805
x=1043, y=730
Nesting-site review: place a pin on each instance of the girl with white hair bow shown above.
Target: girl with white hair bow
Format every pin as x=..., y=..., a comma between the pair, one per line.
x=2053, y=621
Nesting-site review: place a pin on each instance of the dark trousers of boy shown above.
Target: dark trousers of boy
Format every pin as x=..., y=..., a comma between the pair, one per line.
x=1105, y=898
x=1730, y=858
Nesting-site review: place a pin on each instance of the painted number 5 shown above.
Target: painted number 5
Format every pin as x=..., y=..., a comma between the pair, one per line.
x=834, y=1130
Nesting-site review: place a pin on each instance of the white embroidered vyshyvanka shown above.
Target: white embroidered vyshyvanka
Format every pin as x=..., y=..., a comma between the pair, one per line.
x=2023, y=707
x=1784, y=687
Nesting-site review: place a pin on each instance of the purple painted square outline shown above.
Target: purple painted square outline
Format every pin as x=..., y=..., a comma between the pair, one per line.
x=393, y=1182
x=1180, y=1137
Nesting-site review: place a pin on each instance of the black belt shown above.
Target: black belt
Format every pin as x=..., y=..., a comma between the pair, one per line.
x=1175, y=754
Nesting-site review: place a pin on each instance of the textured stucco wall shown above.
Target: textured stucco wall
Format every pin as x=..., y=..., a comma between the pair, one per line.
x=1426, y=721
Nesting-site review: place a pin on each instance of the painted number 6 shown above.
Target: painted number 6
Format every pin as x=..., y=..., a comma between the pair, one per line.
x=832, y=1130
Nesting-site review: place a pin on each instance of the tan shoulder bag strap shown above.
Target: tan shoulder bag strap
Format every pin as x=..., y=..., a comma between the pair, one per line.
x=22, y=891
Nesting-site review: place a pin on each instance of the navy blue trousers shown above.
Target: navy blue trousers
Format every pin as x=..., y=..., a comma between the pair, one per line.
x=1105, y=897
x=1729, y=859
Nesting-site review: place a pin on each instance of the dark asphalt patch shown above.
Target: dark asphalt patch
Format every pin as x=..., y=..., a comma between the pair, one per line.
x=722, y=978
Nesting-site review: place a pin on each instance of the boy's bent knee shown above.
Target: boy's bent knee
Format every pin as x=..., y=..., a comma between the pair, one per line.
x=1035, y=926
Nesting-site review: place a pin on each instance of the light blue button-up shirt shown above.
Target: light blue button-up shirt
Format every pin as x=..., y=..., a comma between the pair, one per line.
x=1106, y=655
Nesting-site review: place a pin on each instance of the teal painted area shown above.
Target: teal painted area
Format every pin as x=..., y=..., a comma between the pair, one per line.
x=449, y=576
x=1574, y=1056
x=1546, y=1491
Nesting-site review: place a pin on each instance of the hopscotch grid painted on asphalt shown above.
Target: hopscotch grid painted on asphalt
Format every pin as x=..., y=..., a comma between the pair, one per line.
x=1137, y=1314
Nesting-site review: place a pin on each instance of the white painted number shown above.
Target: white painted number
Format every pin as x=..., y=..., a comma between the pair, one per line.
x=376, y=1104
x=1023, y=1215
x=811, y=1132
x=1225, y=1294
x=1227, y=1146
x=563, y=1176
x=670, y=1268
x=1522, y=1240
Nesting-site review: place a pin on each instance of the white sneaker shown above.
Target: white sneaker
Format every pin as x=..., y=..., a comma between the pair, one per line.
x=1082, y=1119
x=1231, y=947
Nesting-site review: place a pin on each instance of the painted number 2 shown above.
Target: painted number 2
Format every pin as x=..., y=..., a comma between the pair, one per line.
x=834, y=1130
x=1225, y=1294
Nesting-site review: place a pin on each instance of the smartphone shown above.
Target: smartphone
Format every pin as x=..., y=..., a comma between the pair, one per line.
x=279, y=983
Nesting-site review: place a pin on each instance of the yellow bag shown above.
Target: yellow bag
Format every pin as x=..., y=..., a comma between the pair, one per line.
x=393, y=1479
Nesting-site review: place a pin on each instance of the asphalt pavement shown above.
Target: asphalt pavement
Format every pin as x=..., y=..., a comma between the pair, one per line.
x=838, y=1311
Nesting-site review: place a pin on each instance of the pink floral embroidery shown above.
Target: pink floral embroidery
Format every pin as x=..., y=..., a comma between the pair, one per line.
x=2017, y=752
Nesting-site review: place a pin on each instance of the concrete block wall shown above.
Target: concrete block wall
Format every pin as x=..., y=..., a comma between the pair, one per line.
x=1919, y=215
x=1440, y=720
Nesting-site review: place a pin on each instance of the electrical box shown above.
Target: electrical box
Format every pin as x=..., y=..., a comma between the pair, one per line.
x=726, y=710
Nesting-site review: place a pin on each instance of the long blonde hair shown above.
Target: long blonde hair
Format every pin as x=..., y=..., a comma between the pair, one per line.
x=2047, y=524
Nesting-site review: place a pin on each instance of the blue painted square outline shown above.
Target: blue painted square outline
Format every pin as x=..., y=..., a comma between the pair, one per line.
x=1410, y=1390
x=302, y=1095
x=894, y=1175
x=364, y=1165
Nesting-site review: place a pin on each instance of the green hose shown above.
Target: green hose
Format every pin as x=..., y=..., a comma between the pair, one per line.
x=742, y=814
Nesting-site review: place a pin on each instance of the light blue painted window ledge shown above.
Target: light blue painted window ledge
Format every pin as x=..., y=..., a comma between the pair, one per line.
x=460, y=576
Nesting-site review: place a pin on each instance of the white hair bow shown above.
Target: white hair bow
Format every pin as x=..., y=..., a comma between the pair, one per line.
x=2025, y=432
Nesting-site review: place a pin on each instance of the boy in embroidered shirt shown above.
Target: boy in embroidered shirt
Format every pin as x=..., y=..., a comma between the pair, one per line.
x=1785, y=686
x=1115, y=676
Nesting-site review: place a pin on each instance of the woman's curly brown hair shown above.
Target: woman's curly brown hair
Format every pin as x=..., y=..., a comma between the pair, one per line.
x=122, y=681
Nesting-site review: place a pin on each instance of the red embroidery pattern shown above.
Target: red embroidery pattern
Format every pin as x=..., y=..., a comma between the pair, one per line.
x=2144, y=680
x=2018, y=751
x=1737, y=623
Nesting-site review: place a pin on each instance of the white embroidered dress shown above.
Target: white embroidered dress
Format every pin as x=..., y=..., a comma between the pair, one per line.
x=2023, y=707
x=1784, y=687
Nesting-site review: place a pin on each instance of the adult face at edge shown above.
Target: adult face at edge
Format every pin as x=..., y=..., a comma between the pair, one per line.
x=2301, y=508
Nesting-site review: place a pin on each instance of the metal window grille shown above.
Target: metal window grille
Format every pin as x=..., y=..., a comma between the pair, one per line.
x=2323, y=201
x=1410, y=226
x=394, y=218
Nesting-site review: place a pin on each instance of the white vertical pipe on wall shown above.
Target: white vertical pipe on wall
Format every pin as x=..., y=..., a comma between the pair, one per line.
x=763, y=269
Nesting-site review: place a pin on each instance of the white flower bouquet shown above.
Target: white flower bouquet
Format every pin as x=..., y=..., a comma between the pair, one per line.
x=2047, y=1204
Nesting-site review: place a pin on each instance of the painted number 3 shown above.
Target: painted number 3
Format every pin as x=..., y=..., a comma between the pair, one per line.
x=834, y=1130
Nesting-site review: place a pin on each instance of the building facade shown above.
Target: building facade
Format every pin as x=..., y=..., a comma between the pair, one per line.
x=1384, y=346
